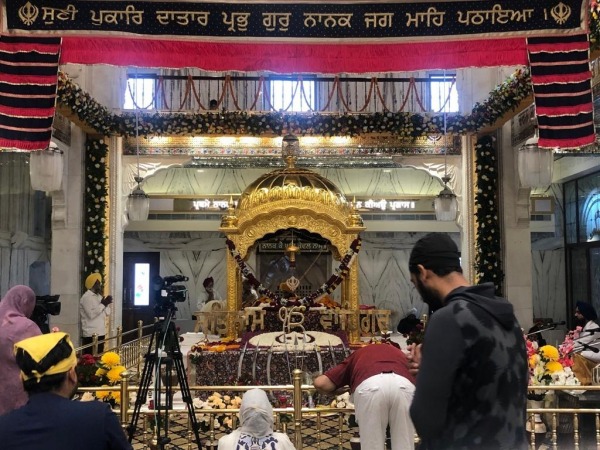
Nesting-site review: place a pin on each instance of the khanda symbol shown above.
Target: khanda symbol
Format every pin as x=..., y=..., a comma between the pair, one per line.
x=28, y=13
x=287, y=316
x=561, y=13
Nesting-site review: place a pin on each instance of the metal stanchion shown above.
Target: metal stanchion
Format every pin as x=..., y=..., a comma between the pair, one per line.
x=94, y=344
x=297, y=377
x=124, y=399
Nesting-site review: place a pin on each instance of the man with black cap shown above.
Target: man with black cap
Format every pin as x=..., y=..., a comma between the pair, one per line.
x=472, y=374
x=50, y=419
x=586, y=318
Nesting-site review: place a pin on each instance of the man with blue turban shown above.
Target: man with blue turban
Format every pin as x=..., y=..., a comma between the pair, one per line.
x=93, y=309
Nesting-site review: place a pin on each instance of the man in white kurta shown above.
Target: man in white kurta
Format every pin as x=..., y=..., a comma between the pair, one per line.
x=93, y=309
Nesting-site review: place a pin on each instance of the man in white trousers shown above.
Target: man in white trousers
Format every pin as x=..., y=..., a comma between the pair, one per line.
x=382, y=389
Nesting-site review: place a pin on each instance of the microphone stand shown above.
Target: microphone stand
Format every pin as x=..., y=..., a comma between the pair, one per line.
x=550, y=328
x=583, y=346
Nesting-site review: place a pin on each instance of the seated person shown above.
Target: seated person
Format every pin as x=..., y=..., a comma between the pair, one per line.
x=208, y=295
x=50, y=419
x=256, y=426
x=586, y=317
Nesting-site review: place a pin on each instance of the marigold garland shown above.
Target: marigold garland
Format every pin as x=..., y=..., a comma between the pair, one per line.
x=327, y=288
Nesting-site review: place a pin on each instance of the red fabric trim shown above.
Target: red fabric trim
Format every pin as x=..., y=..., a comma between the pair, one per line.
x=293, y=57
x=567, y=143
x=24, y=46
x=15, y=144
x=41, y=113
x=29, y=79
x=565, y=78
x=563, y=110
x=558, y=47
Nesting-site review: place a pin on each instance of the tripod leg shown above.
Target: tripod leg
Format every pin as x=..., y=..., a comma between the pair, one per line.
x=142, y=393
x=186, y=394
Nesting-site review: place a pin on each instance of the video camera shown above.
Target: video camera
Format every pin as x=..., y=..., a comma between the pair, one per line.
x=170, y=293
x=45, y=305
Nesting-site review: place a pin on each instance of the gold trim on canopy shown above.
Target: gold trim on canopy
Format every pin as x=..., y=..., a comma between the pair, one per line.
x=292, y=198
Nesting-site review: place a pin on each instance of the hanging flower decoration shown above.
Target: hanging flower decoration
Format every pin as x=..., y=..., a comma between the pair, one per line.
x=95, y=202
x=488, y=265
x=328, y=287
x=504, y=98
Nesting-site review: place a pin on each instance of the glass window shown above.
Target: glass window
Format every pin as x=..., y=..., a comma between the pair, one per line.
x=443, y=95
x=292, y=95
x=588, y=191
x=570, y=190
x=139, y=93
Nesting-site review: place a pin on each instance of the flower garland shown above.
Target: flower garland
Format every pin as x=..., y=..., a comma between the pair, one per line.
x=488, y=265
x=327, y=288
x=594, y=25
x=502, y=99
x=95, y=202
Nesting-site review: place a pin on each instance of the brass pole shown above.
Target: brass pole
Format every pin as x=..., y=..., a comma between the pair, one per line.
x=94, y=344
x=124, y=399
x=297, y=377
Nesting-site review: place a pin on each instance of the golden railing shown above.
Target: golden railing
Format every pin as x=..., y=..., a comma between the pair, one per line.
x=567, y=424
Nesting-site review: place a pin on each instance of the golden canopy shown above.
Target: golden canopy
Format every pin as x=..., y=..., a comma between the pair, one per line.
x=291, y=197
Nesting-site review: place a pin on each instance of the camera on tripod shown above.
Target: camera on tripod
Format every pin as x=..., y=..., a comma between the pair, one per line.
x=45, y=305
x=170, y=293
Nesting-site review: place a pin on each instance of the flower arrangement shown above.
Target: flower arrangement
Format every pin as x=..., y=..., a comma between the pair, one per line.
x=217, y=346
x=216, y=401
x=594, y=24
x=416, y=335
x=488, y=265
x=95, y=203
x=327, y=288
x=100, y=371
x=342, y=401
x=549, y=366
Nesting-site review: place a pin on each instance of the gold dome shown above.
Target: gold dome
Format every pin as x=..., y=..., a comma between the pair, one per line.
x=292, y=197
x=292, y=184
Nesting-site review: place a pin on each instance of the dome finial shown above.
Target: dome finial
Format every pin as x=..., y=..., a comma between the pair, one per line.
x=290, y=149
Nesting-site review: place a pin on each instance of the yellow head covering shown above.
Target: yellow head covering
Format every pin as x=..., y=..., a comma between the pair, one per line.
x=47, y=354
x=90, y=281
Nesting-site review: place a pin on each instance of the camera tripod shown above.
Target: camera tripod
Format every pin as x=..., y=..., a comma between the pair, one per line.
x=163, y=351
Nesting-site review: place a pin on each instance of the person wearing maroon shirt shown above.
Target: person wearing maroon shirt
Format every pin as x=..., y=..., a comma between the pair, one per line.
x=382, y=389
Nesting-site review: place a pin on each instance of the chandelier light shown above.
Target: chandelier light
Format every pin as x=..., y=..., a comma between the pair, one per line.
x=535, y=164
x=445, y=204
x=46, y=169
x=138, y=202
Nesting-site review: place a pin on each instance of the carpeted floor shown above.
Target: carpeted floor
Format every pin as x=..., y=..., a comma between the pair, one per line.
x=180, y=437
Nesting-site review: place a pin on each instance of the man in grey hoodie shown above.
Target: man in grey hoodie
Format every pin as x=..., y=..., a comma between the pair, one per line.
x=471, y=389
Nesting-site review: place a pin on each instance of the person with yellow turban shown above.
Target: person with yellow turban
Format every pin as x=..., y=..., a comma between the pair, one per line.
x=50, y=420
x=93, y=308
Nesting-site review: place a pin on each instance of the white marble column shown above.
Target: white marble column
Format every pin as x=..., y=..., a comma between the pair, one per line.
x=67, y=222
x=516, y=232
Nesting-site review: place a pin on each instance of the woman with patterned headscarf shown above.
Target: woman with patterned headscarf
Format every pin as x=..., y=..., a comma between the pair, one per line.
x=15, y=309
x=256, y=426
